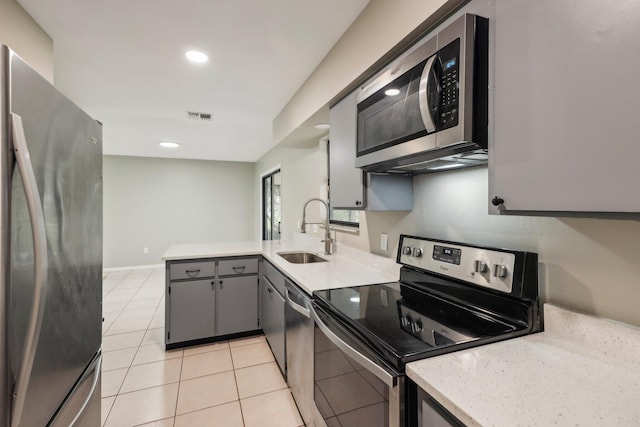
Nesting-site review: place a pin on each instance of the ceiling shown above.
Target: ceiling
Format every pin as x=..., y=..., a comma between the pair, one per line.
x=123, y=62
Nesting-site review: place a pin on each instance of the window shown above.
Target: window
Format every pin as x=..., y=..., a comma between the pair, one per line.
x=346, y=217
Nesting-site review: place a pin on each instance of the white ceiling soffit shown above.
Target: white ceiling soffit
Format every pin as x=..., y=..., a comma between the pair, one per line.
x=123, y=62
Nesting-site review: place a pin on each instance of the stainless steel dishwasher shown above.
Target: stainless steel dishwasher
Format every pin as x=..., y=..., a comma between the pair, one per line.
x=299, y=338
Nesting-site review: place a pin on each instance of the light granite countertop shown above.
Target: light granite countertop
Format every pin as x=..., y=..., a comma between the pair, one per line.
x=346, y=267
x=581, y=371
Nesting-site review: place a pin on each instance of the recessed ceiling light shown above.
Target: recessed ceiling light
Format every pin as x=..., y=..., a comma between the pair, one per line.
x=196, y=56
x=321, y=126
x=169, y=144
x=392, y=92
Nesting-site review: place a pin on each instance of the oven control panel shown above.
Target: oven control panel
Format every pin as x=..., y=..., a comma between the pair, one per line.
x=491, y=269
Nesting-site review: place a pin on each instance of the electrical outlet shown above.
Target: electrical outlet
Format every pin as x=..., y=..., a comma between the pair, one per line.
x=384, y=240
x=145, y=250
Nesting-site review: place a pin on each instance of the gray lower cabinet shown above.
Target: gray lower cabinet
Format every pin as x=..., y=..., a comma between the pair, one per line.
x=210, y=298
x=272, y=305
x=192, y=314
x=237, y=304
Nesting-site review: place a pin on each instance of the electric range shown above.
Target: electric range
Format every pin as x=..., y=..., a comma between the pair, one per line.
x=450, y=296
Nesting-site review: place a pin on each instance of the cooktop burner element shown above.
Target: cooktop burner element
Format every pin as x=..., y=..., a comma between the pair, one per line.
x=450, y=296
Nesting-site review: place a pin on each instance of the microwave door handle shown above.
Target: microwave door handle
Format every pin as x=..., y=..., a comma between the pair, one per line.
x=423, y=95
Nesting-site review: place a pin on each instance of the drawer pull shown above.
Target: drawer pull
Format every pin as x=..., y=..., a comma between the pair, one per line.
x=192, y=273
x=238, y=269
x=269, y=290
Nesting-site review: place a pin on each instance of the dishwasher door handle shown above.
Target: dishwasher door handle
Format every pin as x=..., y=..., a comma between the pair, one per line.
x=297, y=307
x=363, y=360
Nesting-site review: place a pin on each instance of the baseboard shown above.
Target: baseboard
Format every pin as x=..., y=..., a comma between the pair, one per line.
x=132, y=267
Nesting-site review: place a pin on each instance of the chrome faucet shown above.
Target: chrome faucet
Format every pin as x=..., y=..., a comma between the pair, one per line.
x=328, y=241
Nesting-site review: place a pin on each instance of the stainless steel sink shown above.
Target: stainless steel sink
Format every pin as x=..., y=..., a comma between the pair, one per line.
x=301, y=257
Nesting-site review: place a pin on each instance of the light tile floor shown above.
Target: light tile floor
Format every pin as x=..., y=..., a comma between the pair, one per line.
x=230, y=383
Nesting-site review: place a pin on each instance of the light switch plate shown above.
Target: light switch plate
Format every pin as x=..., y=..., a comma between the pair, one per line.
x=384, y=240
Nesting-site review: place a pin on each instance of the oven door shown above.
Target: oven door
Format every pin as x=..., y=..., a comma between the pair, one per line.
x=352, y=386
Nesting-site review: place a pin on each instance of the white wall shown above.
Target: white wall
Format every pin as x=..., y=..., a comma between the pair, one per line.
x=381, y=26
x=591, y=265
x=155, y=203
x=22, y=34
x=304, y=175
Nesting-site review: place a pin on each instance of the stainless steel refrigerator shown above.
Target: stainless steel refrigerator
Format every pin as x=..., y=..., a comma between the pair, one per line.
x=50, y=253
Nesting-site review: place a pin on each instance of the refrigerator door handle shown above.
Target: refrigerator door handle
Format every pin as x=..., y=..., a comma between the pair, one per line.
x=94, y=385
x=40, y=255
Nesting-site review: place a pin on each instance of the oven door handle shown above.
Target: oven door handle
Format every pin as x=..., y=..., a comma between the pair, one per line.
x=363, y=360
x=297, y=307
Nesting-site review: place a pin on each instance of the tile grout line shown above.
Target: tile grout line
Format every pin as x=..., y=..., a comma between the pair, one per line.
x=175, y=410
x=235, y=378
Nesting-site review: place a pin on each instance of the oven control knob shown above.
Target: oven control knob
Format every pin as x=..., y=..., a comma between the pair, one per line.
x=406, y=250
x=500, y=271
x=406, y=321
x=416, y=252
x=480, y=266
x=416, y=326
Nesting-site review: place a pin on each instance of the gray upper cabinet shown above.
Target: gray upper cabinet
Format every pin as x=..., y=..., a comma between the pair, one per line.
x=350, y=187
x=566, y=107
x=349, y=191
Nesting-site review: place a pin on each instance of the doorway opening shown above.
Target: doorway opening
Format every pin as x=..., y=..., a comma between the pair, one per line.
x=272, y=206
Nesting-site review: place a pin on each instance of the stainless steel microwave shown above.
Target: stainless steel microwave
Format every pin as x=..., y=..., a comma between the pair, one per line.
x=428, y=110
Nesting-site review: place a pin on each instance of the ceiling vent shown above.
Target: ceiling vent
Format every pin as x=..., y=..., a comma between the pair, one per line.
x=194, y=115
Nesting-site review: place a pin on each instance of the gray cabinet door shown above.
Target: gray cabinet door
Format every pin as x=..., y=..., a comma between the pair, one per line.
x=347, y=190
x=566, y=126
x=192, y=314
x=273, y=322
x=237, y=304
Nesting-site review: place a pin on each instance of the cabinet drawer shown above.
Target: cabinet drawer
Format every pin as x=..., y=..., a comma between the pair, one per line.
x=192, y=270
x=275, y=277
x=229, y=267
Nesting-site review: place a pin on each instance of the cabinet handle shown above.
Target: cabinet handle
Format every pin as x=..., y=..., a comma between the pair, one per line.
x=192, y=273
x=239, y=269
x=497, y=201
x=220, y=284
x=269, y=290
x=358, y=202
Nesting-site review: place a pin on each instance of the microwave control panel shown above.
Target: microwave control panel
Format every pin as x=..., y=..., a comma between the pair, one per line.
x=449, y=83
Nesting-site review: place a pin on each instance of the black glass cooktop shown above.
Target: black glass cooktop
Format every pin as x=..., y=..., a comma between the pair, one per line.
x=404, y=323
